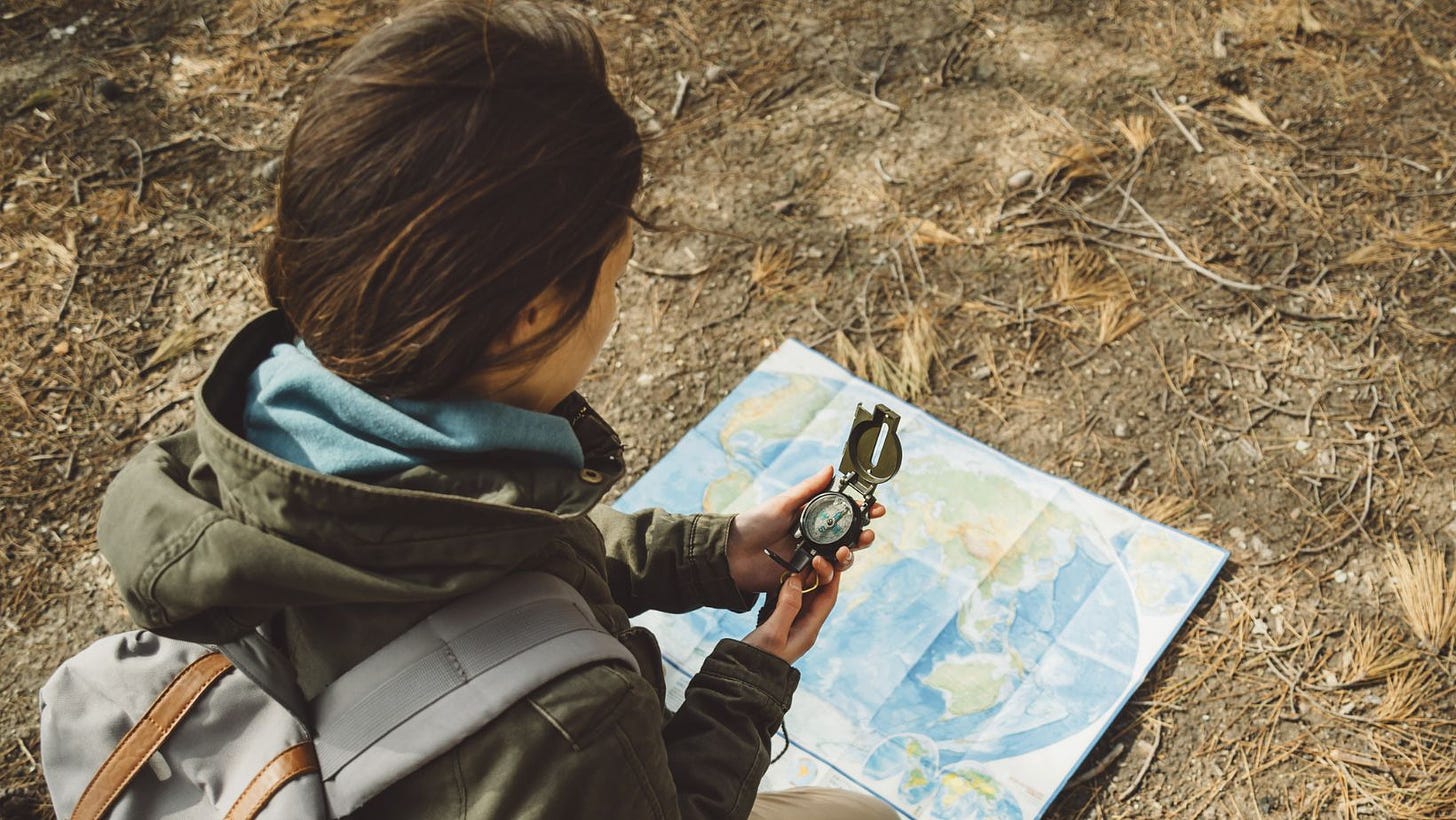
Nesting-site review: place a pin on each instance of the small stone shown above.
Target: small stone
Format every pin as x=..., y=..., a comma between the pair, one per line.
x=716, y=73
x=1260, y=628
x=1121, y=430
x=1020, y=179
x=1341, y=576
x=1302, y=446
x=268, y=171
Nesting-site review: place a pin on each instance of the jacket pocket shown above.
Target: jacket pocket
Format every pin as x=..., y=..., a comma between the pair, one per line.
x=582, y=704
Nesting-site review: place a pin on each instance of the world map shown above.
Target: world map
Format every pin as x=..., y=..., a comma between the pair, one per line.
x=983, y=644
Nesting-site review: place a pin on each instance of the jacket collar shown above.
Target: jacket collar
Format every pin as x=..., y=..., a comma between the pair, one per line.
x=499, y=485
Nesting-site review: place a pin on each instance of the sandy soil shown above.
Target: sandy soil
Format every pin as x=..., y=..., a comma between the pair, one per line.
x=1197, y=257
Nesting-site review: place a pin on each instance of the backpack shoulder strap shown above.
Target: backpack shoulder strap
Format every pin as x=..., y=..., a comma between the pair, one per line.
x=258, y=658
x=446, y=677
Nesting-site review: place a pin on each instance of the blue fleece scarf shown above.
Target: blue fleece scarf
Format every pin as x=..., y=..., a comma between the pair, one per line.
x=300, y=411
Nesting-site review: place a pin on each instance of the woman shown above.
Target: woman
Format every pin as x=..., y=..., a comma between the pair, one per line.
x=454, y=210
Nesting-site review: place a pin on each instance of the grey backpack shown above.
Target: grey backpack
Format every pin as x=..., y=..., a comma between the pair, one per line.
x=141, y=726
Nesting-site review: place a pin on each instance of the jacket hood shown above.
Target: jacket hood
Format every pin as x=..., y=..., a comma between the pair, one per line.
x=209, y=535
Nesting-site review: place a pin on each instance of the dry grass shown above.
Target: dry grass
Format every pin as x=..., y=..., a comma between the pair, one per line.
x=1374, y=654
x=1241, y=297
x=909, y=373
x=1117, y=318
x=771, y=269
x=1080, y=276
x=1427, y=595
x=925, y=233
x=1079, y=161
x=1138, y=130
x=1407, y=693
x=920, y=351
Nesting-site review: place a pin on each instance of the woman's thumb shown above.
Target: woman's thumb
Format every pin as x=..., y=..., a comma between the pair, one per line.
x=797, y=495
x=791, y=600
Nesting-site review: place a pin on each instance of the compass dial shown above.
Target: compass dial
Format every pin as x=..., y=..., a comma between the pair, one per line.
x=827, y=518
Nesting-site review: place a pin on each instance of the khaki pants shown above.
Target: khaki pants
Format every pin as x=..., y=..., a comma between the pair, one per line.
x=819, y=804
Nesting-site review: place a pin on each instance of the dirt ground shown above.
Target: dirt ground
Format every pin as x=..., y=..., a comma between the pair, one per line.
x=1197, y=257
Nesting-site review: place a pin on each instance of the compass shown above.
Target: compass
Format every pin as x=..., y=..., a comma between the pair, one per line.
x=835, y=518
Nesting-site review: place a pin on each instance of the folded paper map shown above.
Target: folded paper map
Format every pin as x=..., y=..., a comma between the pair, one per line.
x=984, y=643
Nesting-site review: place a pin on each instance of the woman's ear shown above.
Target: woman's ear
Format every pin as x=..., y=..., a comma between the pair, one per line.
x=534, y=318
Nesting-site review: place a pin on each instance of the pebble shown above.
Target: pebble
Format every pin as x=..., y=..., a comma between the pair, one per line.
x=1020, y=179
x=1121, y=430
x=268, y=171
x=715, y=73
x=1341, y=576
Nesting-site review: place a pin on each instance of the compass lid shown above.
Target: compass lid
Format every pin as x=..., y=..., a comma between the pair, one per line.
x=868, y=461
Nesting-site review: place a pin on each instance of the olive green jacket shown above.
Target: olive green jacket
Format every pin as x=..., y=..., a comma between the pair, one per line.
x=210, y=536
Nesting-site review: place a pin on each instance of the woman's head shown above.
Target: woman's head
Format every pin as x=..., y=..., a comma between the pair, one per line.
x=456, y=170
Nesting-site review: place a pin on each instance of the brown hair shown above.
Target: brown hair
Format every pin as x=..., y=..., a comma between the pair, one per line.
x=450, y=167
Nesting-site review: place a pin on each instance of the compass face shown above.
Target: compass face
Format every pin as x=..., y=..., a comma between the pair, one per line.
x=827, y=518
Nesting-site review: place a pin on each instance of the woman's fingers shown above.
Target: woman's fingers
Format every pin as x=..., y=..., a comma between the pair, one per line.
x=815, y=607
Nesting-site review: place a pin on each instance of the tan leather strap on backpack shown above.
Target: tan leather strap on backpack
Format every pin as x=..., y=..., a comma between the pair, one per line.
x=143, y=740
x=290, y=763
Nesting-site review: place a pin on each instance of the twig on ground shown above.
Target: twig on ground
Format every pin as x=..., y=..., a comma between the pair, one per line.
x=26, y=752
x=141, y=169
x=1102, y=765
x=1142, y=772
x=1182, y=129
x=156, y=414
x=71, y=276
x=682, y=95
x=886, y=176
x=1125, y=483
x=1178, y=251
x=667, y=273
x=875, y=86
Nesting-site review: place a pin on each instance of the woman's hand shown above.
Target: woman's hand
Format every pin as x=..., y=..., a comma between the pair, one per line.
x=794, y=625
x=770, y=526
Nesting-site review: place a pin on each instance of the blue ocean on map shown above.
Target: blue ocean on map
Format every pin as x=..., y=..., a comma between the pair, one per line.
x=982, y=645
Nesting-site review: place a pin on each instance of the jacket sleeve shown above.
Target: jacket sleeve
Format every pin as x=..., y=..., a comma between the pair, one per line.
x=597, y=746
x=668, y=562
x=718, y=742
